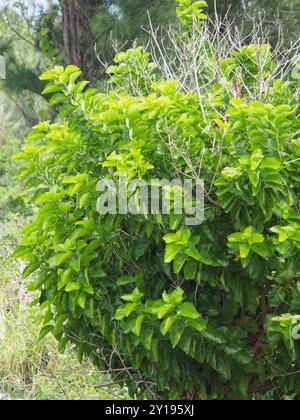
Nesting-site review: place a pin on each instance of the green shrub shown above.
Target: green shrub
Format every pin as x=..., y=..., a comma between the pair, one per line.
x=204, y=311
x=29, y=369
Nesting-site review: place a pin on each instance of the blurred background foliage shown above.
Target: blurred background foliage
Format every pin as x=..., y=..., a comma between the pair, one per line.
x=88, y=32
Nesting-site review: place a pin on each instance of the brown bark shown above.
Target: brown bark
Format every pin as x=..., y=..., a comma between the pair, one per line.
x=71, y=11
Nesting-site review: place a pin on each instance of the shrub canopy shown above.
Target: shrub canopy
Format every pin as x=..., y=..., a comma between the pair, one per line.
x=175, y=311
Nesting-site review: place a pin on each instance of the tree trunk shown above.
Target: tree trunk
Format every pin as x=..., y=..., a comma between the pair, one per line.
x=71, y=10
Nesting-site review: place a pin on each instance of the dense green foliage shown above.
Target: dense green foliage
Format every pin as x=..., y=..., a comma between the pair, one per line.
x=31, y=369
x=202, y=311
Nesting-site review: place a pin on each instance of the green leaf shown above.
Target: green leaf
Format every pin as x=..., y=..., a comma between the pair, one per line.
x=134, y=297
x=66, y=277
x=82, y=299
x=154, y=348
x=175, y=297
x=84, y=199
x=138, y=325
x=51, y=88
x=72, y=69
x=120, y=314
x=187, y=310
x=271, y=163
x=58, y=98
x=45, y=331
x=244, y=250
x=124, y=280
x=175, y=221
x=163, y=310
x=72, y=287
x=256, y=238
x=74, y=76
x=261, y=249
x=59, y=259
x=129, y=308
x=124, y=311
x=81, y=86
x=181, y=237
x=176, y=334
x=236, y=238
x=190, y=270
x=171, y=251
x=141, y=249
x=48, y=75
x=167, y=324
x=202, y=256
x=30, y=270
x=179, y=262
x=62, y=345
x=21, y=251
x=59, y=324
